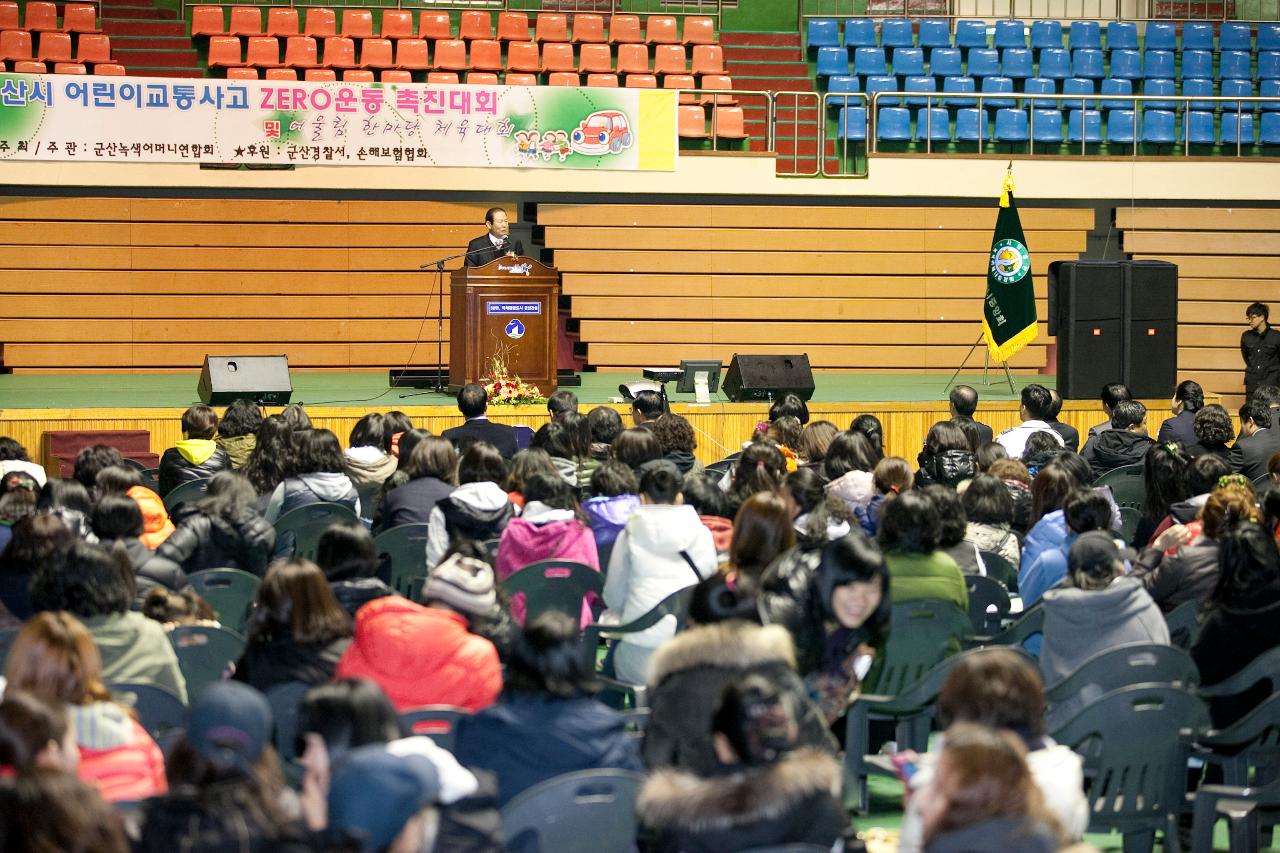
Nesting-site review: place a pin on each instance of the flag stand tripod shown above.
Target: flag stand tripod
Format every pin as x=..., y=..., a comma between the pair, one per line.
x=986, y=366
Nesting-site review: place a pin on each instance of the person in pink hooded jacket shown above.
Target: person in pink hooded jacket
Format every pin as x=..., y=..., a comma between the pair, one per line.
x=551, y=526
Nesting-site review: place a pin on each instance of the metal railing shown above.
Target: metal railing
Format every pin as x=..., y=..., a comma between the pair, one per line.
x=729, y=98
x=795, y=103
x=841, y=141
x=1030, y=10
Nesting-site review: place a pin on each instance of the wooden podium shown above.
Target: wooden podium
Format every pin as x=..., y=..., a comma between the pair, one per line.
x=511, y=303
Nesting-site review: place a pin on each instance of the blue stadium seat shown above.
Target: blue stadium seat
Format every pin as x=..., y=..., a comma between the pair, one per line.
x=920, y=84
x=859, y=32
x=1235, y=35
x=869, y=61
x=1046, y=126
x=1055, y=63
x=1087, y=62
x=1237, y=122
x=1160, y=88
x=1158, y=64
x=1199, y=127
x=1268, y=36
x=1235, y=65
x=832, y=62
x=1270, y=132
x=1240, y=88
x=1122, y=35
x=1012, y=125
x=934, y=33
x=984, y=62
x=971, y=34
x=962, y=84
x=823, y=32
x=1078, y=86
x=997, y=86
x=1159, y=127
x=1112, y=86
x=1092, y=127
x=971, y=125
x=1160, y=35
x=843, y=84
x=1270, y=89
x=894, y=124
x=945, y=62
x=897, y=32
x=933, y=124
x=1085, y=35
x=1120, y=127
x=908, y=61
x=1126, y=64
x=1197, y=65
x=1041, y=86
x=1016, y=62
x=1269, y=65
x=1046, y=35
x=852, y=124
x=1197, y=36
x=1199, y=88
x=883, y=83
x=1010, y=33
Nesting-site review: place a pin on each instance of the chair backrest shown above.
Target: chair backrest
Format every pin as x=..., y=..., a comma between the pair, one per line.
x=160, y=712
x=988, y=603
x=438, y=722
x=1184, y=623
x=1130, y=517
x=1030, y=623
x=195, y=489
x=402, y=550
x=1126, y=482
x=558, y=585
x=1265, y=667
x=305, y=524
x=921, y=635
x=591, y=809
x=204, y=654
x=1124, y=666
x=1000, y=569
x=230, y=593
x=284, y=699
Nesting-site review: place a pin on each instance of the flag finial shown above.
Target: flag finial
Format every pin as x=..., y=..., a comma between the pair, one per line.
x=1007, y=187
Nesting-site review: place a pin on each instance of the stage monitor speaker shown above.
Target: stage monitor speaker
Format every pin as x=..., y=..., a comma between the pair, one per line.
x=262, y=378
x=767, y=377
x=1086, y=308
x=1151, y=328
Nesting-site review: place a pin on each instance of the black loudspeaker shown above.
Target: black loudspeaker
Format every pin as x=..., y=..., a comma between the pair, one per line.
x=1151, y=330
x=767, y=377
x=263, y=378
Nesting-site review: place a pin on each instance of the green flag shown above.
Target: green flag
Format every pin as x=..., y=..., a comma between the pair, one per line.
x=1009, y=310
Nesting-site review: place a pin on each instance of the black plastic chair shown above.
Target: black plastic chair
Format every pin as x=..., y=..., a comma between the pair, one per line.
x=1265, y=667
x=1184, y=623
x=159, y=711
x=1029, y=623
x=1000, y=569
x=1248, y=810
x=583, y=812
x=284, y=699
x=675, y=605
x=1135, y=742
x=149, y=476
x=558, y=585
x=230, y=592
x=1130, y=518
x=438, y=722
x=204, y=654
x=1128, y=487
x=403, y=549
x=988, y=604
x=1252, y=742
x=1115, y=668
x=298, y=531
x=188, y=492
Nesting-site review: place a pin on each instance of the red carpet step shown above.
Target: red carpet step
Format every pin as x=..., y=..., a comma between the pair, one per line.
x=148, y=40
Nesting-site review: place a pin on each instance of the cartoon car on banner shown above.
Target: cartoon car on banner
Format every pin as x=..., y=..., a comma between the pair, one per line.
x=603, y=132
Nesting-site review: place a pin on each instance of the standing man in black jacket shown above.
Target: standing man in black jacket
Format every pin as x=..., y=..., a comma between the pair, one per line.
x=1260, y=347
x=496, y=243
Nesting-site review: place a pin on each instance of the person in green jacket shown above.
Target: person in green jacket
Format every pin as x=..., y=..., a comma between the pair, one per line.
x=910, y=529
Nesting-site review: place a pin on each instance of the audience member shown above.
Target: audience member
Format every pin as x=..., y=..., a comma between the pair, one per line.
x=909, y=534
x=760, y=468
x=396, y=424
x=1112, y=394
x=92, y=459
x=1017, y=480
x=579, y=431
x=473, y=402
x=525, y=464
x=848, y=467
x=1040, y=448
x=402, y=447
x=763, y=790
x=664, y=548
x=647, y=407
x=296, y=417
x=789, y=405
x=891, y=476
x=48, y=810
x=947, y=457
x=762, y=532
x=69, y=501
x=1213, y=430
x=1188, y=398
x=17, y=501
x=987, y=455
x=964, y=402
x=54, y=659
x=274, y=455
x=237, y=430
x=972, y=434
x=37, y=539
x=1044, y=559
x=989, y=510
x=34, y=733
x=348, y=558
x=675, y=436
x=634, y=447
x=561, y=403
x=197, y=456
x=175, y=609
x=380, y=801
x=431, y=467
x=814, y=441
x=952, y=525
x=478, y=510
x=871, y=429
x=1034, y=409
x=319, y=476
x=1164, y=474
x=368, y=458
x=1256, y=443
x=785, y=433
x=222, y=529
x=13, y=457
x=117, y=519
x=816, y=516
x=614, y=496
x=1070, y=435
x=1260, y=347
x=712, y=505
x=157, y=526
x=605, y=424
x=567, y=446
x=425, y=654
x=296, y=631
x=1126, y=443
x=1202, y=476
x=96, y=586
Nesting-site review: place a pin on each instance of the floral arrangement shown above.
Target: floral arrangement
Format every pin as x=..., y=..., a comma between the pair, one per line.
x=503, y=388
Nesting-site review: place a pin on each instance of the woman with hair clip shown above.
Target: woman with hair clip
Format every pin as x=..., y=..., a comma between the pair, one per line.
x=763, y=790
x=222, y=529
x=1164, y=476
x=869, y=427
x=760, y=468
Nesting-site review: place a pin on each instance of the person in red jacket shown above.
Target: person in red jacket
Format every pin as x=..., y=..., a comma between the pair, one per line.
x=425, y=654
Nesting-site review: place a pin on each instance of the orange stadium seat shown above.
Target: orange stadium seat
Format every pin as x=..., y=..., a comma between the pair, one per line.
x=69, y=68
x=411, y=54
x=207, y=21
x=320, y=23
x=670, y=59
x=8, y=15
x=262, y=52
x=521, y=56
x=280, y=74
x=551, y=26
x=717, y=81
x=395, y=75
x=588, y=29
x=434, y=25
x=708, y=59
x=603, y=81
x=595, y=58
x=396, y=24
x=691, y=123
x=558, y=56
x=520, y=78
x=451, y=55
x=376, y=53
x=563, y=78
x=661, y=29
x=682, y=82
x=80, y=18
x=109, y=69
x=475, y=25
x=41, y=16
x=54, y=47
x=243, y=73
x=486, y=55
x=642, y=81
x=15, y=44
x=633, y=59
x=320, y=75
x=357, y=23
x=625, y=29
x=446, y=78
x=282, y=21
x=513, y=26
x=728, y=123
x=27, y=66
x=339, y=52
x=245, y=21
x=699, y=30
x=300, y=51
x=224, y=52
x=482, y=78
x=357, y=75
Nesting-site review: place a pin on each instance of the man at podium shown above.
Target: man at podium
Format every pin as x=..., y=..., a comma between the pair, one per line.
x=496, y=243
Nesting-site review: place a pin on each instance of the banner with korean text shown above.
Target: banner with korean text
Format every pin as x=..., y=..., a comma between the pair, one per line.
x=160, y=120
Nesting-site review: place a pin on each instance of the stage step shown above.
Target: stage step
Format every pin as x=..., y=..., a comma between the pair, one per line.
x=156, y=58
x=136, y=43
x=140, y=13
x=144, y=29
x=166, y=71
x=728, y=39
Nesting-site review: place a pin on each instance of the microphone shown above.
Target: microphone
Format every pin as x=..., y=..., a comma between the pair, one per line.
x=504, y=246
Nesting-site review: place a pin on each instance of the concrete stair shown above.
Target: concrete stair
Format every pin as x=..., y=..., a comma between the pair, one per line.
x=148, y=40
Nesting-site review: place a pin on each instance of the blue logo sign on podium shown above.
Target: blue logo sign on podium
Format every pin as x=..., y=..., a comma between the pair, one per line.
x=515, y=329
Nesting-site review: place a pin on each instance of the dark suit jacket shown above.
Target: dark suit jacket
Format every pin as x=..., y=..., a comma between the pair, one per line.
x=984, y=431
x=1249, y=455
x=1179, y=428
x=481, y=251
x=500, y=436
x=1070, y=435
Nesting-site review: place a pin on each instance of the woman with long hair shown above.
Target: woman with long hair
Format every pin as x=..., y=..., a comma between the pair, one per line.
x=762, y=531
x=760, y=468
x=36, y=539
x=430, y=467
x=320, y=477
x=273, y=457
x=222, y=529
x=848, y=467
x=48, y=809
x=237, y=431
